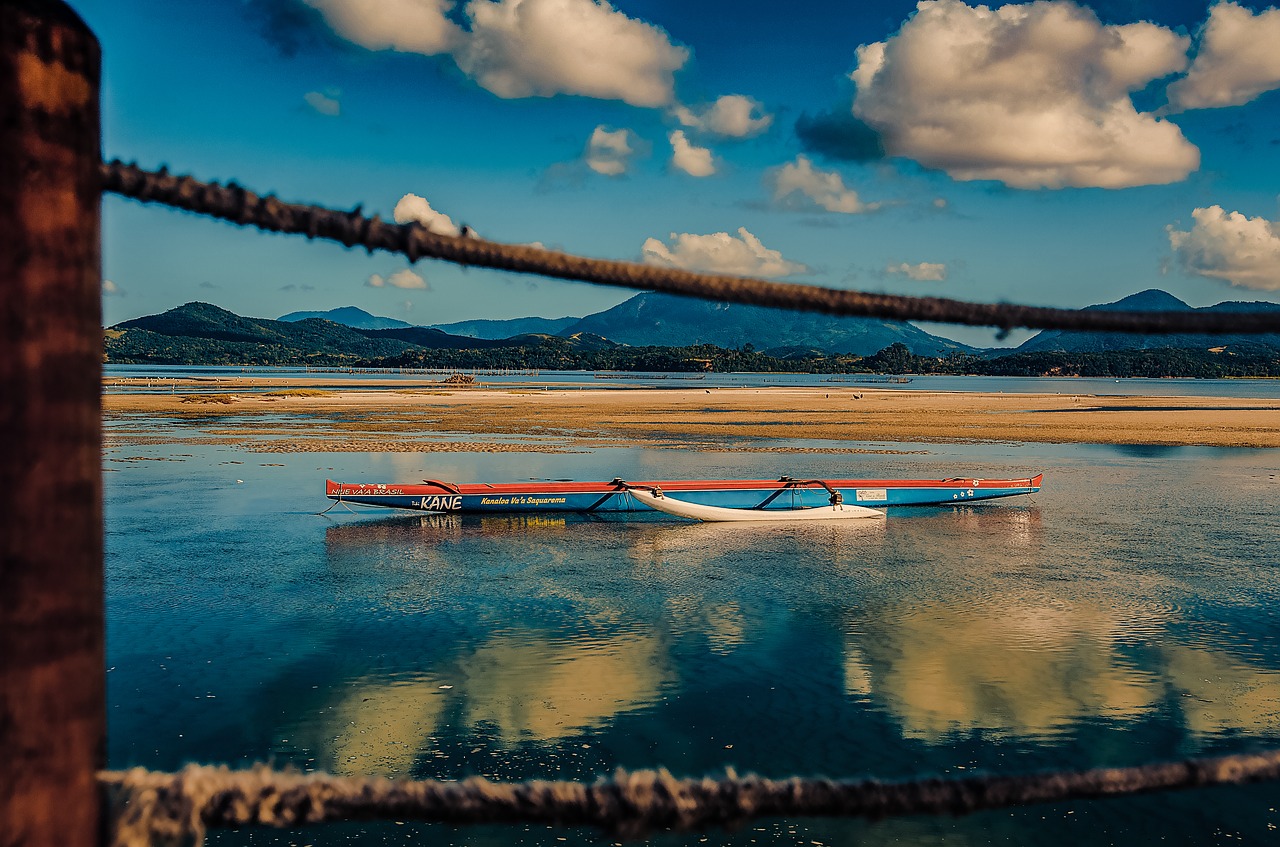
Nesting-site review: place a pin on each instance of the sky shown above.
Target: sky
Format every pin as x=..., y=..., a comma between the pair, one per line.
x=1053, y=153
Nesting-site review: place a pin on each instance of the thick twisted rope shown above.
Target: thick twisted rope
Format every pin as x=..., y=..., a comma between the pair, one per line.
x=238, y=205
x=150, y=807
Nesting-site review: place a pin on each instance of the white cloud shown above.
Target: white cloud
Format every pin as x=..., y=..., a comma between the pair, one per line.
x=1241, y=250
x=825, y=189
x=923, y=272
x=324, y=104
x=1238, y=59
x=1036, y=96
x=416, y=209
x=720, y=252
x=695, y=161
x=609, y=152
x=732, y=116
x=527, y=48
x=110, y=289
x=524, y=48
x=409, y=26
x=400, y=279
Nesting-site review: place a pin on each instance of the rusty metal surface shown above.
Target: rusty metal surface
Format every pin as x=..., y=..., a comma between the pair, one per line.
x=52, y=714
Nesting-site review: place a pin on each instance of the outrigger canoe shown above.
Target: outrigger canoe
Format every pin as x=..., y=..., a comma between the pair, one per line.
x=616, y=496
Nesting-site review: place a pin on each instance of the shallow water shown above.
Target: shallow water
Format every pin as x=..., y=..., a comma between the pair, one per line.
x=1262, y=389
x=1127, y=613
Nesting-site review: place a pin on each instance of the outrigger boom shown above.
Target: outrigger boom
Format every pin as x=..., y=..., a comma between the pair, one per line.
x=615, y=496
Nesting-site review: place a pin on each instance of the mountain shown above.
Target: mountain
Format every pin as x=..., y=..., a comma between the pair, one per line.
x=583, y=341
x=348, y=316
x=202, y=334
x=495, y=330
x=432, y=338
x=672, y=321
x=1153, y=300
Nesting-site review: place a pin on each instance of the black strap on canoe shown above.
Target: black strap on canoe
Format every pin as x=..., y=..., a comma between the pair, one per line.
x=836, y=498
x=447, y=486
x=617, y=482
x=623, y=485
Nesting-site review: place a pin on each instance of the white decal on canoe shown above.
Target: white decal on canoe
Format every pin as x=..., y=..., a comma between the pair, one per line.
x=441, y=503
x=871, y=494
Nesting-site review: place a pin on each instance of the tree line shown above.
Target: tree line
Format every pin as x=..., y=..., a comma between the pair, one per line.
x=560, y=354
x=550, y=353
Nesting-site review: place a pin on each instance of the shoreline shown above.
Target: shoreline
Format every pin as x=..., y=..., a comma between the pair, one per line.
x=273, y=414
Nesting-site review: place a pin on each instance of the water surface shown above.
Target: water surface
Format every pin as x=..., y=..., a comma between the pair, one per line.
x=1130, y=612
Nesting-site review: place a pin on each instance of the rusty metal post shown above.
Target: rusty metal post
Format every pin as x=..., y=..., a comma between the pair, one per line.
x=52, y=677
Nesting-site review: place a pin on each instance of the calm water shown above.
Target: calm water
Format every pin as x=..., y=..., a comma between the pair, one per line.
x=571, y=380
x=1129, y=612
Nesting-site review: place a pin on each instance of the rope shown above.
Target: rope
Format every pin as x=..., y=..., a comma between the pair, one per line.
x=241, y=206
x=150, y=807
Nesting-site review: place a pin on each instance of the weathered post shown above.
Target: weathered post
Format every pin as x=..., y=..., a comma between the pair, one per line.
x=52, y=713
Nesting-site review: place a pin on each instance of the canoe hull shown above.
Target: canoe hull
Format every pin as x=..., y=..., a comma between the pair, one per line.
x=535, y=496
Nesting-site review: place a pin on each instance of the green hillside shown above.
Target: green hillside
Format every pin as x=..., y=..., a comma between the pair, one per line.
x=202, y=334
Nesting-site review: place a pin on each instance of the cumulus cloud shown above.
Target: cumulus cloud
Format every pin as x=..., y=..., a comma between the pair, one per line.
x=524, y=48
x=719, y=252
x=408, y=26
x=731, y=116
x=693, y=160
x=325, y=104
x=824, y=189
x=413, y=208
x=1035, y=96
x=609, y=152
x=923, y=272
x=1238, y=59
x=1240, y=250
x=400, y=279
x=110, y=289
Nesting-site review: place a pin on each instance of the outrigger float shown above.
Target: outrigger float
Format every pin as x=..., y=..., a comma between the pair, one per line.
x=618, y=495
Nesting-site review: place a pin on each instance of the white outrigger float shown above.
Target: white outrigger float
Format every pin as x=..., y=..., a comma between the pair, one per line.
x=654, y=498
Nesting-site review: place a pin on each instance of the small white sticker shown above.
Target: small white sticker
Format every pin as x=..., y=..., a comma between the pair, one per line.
x=872, y=494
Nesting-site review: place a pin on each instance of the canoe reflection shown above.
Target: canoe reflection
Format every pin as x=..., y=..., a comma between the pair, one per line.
x=431, y=529
x=647, y=539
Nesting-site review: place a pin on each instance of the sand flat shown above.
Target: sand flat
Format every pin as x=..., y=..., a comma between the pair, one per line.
x=317, y=415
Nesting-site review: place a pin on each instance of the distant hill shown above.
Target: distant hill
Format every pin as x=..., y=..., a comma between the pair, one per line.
x=202, y=334
x=431, y=338
x=672, y=321
x=348, y=316
x=1153, y=300
x=495, y=330
x=583, y=341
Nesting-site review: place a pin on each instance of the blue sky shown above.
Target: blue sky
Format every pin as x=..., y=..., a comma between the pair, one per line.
x=1050, y=153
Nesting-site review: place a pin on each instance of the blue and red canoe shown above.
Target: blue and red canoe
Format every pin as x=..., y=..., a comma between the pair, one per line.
x=786, y=493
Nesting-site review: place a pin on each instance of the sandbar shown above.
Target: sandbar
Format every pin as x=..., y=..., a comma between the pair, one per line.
x=286, y=415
